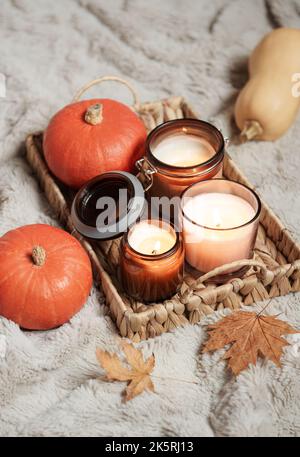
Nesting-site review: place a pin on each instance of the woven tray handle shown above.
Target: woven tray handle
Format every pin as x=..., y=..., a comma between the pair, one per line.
x=262, y=270
x=136, y=100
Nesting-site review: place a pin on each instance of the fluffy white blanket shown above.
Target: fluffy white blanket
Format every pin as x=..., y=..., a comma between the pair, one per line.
x=48, y=380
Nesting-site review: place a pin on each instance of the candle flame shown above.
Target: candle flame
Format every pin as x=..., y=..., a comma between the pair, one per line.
x=156, y=248
x=216, y=218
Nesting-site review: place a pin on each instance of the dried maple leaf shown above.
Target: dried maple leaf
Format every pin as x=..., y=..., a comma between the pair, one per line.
x=137, y=376
x=251, y=335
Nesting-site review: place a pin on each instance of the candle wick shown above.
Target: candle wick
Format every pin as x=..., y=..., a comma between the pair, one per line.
x=154, y=251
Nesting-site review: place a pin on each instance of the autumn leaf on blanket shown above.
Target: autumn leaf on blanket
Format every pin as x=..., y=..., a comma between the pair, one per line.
x=250, y=335
x=137, y=375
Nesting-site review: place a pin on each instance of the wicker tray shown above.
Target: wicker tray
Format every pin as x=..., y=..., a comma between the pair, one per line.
x=275, y=268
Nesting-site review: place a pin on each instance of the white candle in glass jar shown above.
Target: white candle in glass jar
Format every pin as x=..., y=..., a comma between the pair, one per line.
x=216, y=229
x=183, y=150
x=151, y=239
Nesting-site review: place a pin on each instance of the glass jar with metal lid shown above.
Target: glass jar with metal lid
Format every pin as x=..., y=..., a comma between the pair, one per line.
x=180, y=153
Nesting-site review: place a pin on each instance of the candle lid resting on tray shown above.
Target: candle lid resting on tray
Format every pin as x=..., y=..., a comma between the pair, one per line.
x=106, y=206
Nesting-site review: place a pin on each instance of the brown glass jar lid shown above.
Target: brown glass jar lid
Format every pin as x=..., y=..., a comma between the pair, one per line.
x=107, y=205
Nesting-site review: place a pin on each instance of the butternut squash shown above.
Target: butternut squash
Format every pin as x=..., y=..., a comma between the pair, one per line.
x=267, y=105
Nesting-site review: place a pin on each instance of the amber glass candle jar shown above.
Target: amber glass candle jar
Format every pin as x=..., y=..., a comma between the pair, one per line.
x=180, y=153
x=151, y=261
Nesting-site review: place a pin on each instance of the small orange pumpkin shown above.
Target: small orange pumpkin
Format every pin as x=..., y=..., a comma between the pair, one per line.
x=45, y=276
x=91, y=137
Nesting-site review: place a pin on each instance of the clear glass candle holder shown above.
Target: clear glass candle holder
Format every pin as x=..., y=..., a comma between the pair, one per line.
x=219, y=221
x=154, y=276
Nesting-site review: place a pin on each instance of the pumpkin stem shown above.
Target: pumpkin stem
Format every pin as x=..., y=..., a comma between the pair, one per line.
x=93, y=114
x=38, y=255
x=251, y=130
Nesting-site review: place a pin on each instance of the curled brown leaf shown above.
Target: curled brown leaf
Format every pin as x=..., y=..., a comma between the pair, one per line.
x=137, y=376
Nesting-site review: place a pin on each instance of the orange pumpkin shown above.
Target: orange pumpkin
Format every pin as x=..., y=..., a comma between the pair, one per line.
x=45, y=276
x=90, y=137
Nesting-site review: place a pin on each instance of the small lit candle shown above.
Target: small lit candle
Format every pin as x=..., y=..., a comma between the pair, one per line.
x=151, y=261
x=219, y=227
x=151, y=239
x=183, y=150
